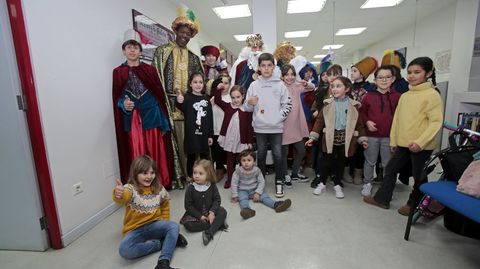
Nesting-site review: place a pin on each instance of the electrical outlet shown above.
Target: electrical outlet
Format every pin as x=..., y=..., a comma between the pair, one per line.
x=77, y=188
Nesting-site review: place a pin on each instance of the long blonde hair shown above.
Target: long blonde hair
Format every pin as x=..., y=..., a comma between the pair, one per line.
x=208, y=167
x=142, y=164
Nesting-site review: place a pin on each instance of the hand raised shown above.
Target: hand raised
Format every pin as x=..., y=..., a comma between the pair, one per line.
x=180, y=97
x=119, y=189
x=253, y=101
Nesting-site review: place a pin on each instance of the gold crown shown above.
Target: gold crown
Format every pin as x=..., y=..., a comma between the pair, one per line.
x=254, y=41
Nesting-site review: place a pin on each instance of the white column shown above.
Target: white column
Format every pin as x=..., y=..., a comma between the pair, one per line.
x=461, y=59
x=264, y=13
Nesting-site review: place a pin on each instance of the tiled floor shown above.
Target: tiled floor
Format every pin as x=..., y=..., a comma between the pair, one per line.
x=317, y=232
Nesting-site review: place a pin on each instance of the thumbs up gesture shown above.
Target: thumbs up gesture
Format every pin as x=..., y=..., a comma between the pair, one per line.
x=180, y=97
x=128, y=104
x=253, y=100
x=118, y=189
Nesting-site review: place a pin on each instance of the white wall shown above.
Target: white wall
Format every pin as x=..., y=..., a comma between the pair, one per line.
x=74, y=47
x=433, y=34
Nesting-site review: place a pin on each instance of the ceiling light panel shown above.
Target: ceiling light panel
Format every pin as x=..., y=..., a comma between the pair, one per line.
x=230, y=12
x=351, y=31
x=297, y=48
x=333, y=47
x=319, y=56
x=241, y=37
x=297, y=34
x=305, y=6
x=380, y=3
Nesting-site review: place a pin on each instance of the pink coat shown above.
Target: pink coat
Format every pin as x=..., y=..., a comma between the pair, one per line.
x=295, y=127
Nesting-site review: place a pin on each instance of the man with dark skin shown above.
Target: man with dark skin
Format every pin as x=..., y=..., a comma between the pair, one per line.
x=175, y=63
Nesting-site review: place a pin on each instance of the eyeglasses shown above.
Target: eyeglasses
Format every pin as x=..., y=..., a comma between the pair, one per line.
x=383, y=78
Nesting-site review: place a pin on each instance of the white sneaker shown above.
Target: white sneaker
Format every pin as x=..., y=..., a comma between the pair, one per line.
x=367, y=189
x=321, y=188
x=288, y=182
x=338, y=191
x=279, y=190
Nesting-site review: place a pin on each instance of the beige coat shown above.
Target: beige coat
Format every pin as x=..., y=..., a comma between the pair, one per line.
x=325, y=124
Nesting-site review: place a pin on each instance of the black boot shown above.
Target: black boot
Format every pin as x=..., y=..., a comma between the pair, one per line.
x=163, y=264
x=181, y=241
x=315, y=182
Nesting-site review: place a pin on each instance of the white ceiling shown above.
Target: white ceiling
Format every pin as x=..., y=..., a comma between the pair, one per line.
x=381, y=23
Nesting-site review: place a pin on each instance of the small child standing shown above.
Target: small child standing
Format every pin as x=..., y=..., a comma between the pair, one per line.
x=222, y=85
x=376, y=112
x=339, y=122
x=417, y=120
x=248, y=183
x=202, y=203
x=360, y=72
x=197, y=111
x=146, y=225
x=270, y=103
x=236, y=133
x=295, y=126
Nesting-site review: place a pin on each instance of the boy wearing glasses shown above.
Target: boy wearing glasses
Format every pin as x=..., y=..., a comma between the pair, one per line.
x=268, y=99
x=377, y=110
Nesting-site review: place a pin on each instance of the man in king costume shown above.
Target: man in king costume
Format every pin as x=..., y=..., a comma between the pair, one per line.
x=175, y=63
x=244, y=70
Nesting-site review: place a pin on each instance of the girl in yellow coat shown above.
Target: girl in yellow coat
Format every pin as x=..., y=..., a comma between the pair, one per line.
x=417, y=120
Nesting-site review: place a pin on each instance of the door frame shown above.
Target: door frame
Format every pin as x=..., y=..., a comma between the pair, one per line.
x=25, y=72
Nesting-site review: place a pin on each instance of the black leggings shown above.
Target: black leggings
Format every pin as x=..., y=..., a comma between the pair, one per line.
x=333, y=164
x=198, y=226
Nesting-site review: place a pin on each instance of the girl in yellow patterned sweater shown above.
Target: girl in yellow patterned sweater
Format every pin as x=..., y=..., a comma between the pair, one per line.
x=146, y=225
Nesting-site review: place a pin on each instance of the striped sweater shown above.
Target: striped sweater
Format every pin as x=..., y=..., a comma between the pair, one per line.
x=143, y=206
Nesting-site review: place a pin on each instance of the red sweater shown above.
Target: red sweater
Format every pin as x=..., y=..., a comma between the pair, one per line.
x=246, y=129
x=379, y=108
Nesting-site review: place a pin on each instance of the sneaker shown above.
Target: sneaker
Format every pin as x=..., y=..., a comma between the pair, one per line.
x=338, y=191
x=279, y=190
x=206, y=238
x=247, y=213
x=371, y=200
x=367, y=189
x=288, y=182
x=300, y=178
x=321, y=188
x=281, y=206
x=404, y=210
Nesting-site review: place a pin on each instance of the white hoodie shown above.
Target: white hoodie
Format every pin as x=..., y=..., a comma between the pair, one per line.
x=273, y=105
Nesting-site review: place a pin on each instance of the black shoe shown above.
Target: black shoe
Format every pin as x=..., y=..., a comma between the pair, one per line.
x=281, y=206
x=163, y=264
x=181, y=241
x=224, y=227
x=206, y=237
x=299, y=177
x=315, y=182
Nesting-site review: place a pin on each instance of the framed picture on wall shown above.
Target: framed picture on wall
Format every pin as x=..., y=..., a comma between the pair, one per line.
x=152, y=34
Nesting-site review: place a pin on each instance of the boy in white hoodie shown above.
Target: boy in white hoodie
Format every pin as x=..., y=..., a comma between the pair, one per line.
x=268, y=99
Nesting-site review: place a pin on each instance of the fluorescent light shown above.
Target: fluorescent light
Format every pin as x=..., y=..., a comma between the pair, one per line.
x=319, y=56
x=296, y=34
x=315, y=62
x=229, y=12
x=305, y=6
x=351, y=31
x=380, y=3
x=333, y=47
x=297, y=48
x=241, y=37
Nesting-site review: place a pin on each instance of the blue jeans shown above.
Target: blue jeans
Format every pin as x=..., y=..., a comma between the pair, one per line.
x=275, y=141
x=245, y=195
x=149, y=238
